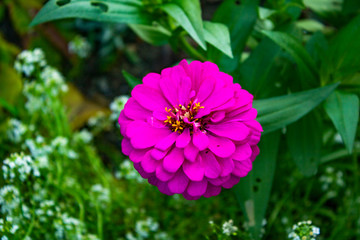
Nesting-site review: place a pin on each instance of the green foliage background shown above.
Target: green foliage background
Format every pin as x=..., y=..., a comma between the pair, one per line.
x=300, y=59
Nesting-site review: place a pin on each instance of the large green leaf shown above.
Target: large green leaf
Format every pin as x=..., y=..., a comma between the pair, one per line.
x=304, y=138
x=275, y=113
x=254, y=72
x=240, y=19
x=323, y=6
x=218, y=35
x=343, y=109
x=253, y=191
x=121, y=11
x=306, y=65
x=153, y=34
x=342, y=61
x=187, y=14
x=130, y=79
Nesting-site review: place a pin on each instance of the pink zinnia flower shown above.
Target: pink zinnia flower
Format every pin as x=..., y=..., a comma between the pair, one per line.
x=190, y=130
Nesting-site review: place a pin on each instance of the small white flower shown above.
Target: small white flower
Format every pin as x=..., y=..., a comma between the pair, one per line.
x=100, y=194
x=19, y=165
x=84, y=136
x=228, y=228
x=144, y=227
x=117, y=106
x=15, y=130
x=28, y=62
x=80, y=46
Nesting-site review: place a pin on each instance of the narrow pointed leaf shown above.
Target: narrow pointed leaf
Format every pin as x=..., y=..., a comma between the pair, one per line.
x=343, y=109
x=187, y=13
x=130, y=79
x=304, y=138
x=218, y=35
x=120, y=11
x=240, y=19
x=275, y=113
x=306, y=65
x=253, y=191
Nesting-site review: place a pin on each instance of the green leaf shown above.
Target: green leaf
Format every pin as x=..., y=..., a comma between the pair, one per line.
x=10, y=84
x=120, y=11
x=130, y=79
x=304, y=138
x=275, y=113
x=253, y=191
x=342, y=60
x=324, y=6
x=218, y=35
x=305, y=63
x=255, y=71
x=343, y=110
x=154, y=34
x=310, y=25
x=240, y=19
x=187, y=13
x=8, y=107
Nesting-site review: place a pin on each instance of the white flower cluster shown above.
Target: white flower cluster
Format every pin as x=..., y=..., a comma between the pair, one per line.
x=228, y=228
x=80, y=46
x=67, y=227
x=100, y=194
x=39, y=151
x=7, y=228
x=53, y=81
x=332, y=179
x=98, y=120
x=15, y=130
x=48, y=209
x=9, y=199
x=84, y=136
x=20, y=166
x=147, y=229
x=304, y=231
x=117, y=106
x=29, y=62
x=61, y=146
x=42, y=81
x=128, y=172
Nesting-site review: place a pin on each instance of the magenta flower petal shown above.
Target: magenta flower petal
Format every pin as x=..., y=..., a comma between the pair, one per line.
x=179, y=183
x=190, y=130
x=184, y=139
x=166, y=142
x=148, y=163
x=174, y=160
x=194, y=170
x=242, y=152
x=200, y=140
x=212, y=166
x=197, y=188
x=135, y=111
x=149, y=98
x=126, y=146
x=212, y=190
x=234, y=130
x=222, y=147
x=162, y=174
x=191, y=152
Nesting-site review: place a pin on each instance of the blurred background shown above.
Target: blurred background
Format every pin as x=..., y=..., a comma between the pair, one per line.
x=63, y=173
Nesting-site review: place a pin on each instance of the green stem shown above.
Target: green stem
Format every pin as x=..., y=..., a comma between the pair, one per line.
x=99, y=221
x=191, y=50
x=30, y=228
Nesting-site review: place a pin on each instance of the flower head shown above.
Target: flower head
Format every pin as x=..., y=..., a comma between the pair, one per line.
x=190, y=130
x=304, y=231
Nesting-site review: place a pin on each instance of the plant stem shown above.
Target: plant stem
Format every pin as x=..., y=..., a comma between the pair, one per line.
x=191, y=50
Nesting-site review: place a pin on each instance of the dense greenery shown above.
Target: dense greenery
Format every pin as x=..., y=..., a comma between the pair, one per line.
x=63, y=174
